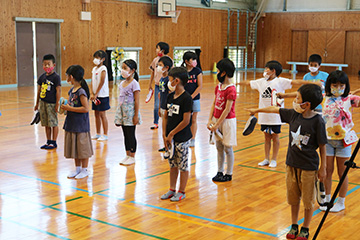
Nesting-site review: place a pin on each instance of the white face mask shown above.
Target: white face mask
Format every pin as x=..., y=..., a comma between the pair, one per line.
x=171, y=88
x=313, y=69
x=159, y=69
x=124, y=73
x=297, y=107
x=96, y=61
x=266, y=76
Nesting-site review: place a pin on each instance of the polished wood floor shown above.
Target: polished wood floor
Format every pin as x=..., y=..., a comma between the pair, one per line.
x=37, y=201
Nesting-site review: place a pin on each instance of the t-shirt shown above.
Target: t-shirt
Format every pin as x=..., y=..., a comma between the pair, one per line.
x=222, y=95
x=321, y=76
x=96, y=79
x=127, y=93
x=192, y=83
x=305, y=136
x=337, y=114
x=164, y=91
x=48, y=86
x=157, y=75
x=76, y=122
x=176, y=109
x=265, y=88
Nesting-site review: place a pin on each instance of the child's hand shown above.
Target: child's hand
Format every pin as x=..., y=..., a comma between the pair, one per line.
x=65, y=107
x=135, y=119
x=167, y=140
x=251, y=110
x=92, y=97
x=209, y=125
x=57, y=107
x=36, y=107
x=159, y=113
x=280, y=95
x=322, y=174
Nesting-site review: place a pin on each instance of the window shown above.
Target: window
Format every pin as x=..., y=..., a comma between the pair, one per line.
x=179, y=52
x=129, y=53
x=238, y=59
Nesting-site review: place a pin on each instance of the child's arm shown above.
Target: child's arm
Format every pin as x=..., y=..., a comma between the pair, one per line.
x=271, y=109
x=244, y=83
x=322, y=168
x=287, y=95
x=94, y=94
x=83, y=109
x=58, y=95
x=136, y=115
x=199, y=87
x=357, y=91
x=178, y=128
x=301, y=82
x=151, y=80
x=36, y=107
x=211, y=114
x=223, y=114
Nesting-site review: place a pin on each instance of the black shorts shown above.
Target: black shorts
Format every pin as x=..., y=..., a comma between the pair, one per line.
x=103, y=106
x=271, y=129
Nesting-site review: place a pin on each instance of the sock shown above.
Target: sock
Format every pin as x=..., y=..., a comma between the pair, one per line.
x=304, y=229
x=341, y=201
x=48, y=142
x=327, y=197
x=78, y=169
x=296, y=226
x=85, y=169
x=181, y=192
x=172, y=190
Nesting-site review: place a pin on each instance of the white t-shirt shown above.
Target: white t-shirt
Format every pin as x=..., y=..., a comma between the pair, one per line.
x=265, y=89
x=95, y=81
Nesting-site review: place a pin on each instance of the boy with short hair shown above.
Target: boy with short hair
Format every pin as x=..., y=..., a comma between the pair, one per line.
x=49, y=92
x=177, y=121
x=306, y=133
x=162, y=49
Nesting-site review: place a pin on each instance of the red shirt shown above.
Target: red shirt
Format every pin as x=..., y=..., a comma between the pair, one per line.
x=229, y=93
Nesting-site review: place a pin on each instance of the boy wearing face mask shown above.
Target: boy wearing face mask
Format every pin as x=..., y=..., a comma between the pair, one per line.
x=306, y=133
x=47, y=101
x=316, y=75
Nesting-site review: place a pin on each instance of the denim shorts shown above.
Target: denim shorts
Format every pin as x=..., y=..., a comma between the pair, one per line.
x=196, y=105
x=336, y=148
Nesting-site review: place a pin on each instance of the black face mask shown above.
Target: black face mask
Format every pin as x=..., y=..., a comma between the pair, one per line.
x=221, y=78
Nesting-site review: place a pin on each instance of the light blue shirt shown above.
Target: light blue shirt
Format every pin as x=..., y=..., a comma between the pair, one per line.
x=321, y=76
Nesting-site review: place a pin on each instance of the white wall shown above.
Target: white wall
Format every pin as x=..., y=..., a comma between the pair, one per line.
x=307, y=5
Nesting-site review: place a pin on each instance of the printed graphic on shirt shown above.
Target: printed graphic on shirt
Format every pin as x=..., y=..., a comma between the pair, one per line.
x=298, y=139
x=192, y=79
x=221, y=100
x=45, y=86
x=173, y=109
x=267, y=93
x=162, y=86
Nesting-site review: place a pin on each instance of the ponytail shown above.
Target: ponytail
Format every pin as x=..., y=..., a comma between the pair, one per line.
x=77, y=72
x=85, y=87
x=133, y=66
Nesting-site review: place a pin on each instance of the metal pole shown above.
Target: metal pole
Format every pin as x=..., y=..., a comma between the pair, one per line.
x=228, y=33
x=255, y=42
x=237, y=39
x=247, y=40
x=285, y=5
x=348, y=5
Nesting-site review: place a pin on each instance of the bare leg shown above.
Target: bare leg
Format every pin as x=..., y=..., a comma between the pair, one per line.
x=194, y=125
x=97, y=122
x=307, y=217
x=276, y=146
x=48, y=133
x=84, y=162
x=329, y=172
x=184, y=176
x=77, y=162
x=267, y=145
x=295, y=213
x=55, y=131
x=173, y=177
x=104, y=121
x=341, y=168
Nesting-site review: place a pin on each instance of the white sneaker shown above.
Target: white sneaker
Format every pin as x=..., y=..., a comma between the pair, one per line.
x=272, y=163
x=129, y=161
x=123, y=160
x=96, y=136
x=337, y=207
x=264, y=163
x=323, y=208
x=82, y=174
x=103, y=138
x=73, y=174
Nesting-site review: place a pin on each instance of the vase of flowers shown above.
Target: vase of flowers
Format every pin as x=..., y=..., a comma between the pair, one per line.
x=117, y=56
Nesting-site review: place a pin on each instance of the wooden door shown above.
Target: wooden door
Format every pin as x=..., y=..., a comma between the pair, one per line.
x=24, y=54
x=317, y=43
x=299, y=46
x=352, y=52
x=335, y=47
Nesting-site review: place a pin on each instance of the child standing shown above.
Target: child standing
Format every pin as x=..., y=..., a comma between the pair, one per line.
x=337, y=114
x=162, y=49
x=127, y=113
x=176, y=121
x=222, y=117
x=164, y=65
x=193, y=86
x=270, y=122
x=100, y=95
x=49, y=92
x=316, y=75
x=306, y=134
x=77, y=127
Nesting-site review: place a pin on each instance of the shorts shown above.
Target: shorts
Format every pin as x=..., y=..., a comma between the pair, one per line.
x=181, y=156
x=103, y=106
x=78, y=145
x=48, y=115
x=300, y=184
x=271, y=129
x=336, y=148
x=228, y=130
x=196, y=105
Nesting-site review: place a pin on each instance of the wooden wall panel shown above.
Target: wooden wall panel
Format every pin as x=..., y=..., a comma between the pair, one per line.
x=298, y=48
x=352, y=52
x=274, y=32
x=114, y=23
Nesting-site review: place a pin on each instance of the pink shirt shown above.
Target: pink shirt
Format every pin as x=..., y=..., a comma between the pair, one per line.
x=153, y=66
x=229, y=93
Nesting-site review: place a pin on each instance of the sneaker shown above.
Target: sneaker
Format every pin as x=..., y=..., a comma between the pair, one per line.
x=82, y=174
x=45, y=145
x=323, y=208
x=177, y=197
x=103, y=138
x=192, y=143
x=162, y=149
x=155, y=126
x=129, y=161
x=272, y=163
x=123, y=160
x=73, y=174
x=226, y=178
x=51, y=146
x=167, y=195
x=94, y=137
x=218, y=177
x=303, y=235
x=264, y=163
x=294, y=231
x=337, y=207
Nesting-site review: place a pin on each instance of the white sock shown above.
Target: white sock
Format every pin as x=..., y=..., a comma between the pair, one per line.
x=327, y=197
x=85, y=169
x=341, y=201
x=78, y=169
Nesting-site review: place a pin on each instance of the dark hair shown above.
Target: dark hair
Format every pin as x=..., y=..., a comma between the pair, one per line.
x=315, y=58
x=180, y=73
x=49, y=57
x=100, y=54
x=226, y=65
x=334, y=77
x=166, y=61
x=77, y=72
x=163, y=46
x=133, y=66
x=311, y=93
x=274, y=65
x=187, y=56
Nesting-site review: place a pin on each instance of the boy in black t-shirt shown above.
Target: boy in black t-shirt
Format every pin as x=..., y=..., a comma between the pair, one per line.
x=306, y=134
x=47, y=101
x=177, y=122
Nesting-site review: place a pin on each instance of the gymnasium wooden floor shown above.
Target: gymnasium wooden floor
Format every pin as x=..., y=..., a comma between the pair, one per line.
x=37, y=201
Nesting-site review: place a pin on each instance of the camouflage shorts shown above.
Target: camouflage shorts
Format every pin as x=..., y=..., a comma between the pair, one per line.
x=48, y=115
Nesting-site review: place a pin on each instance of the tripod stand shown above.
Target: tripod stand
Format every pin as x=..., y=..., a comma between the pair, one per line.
x=349, y=164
